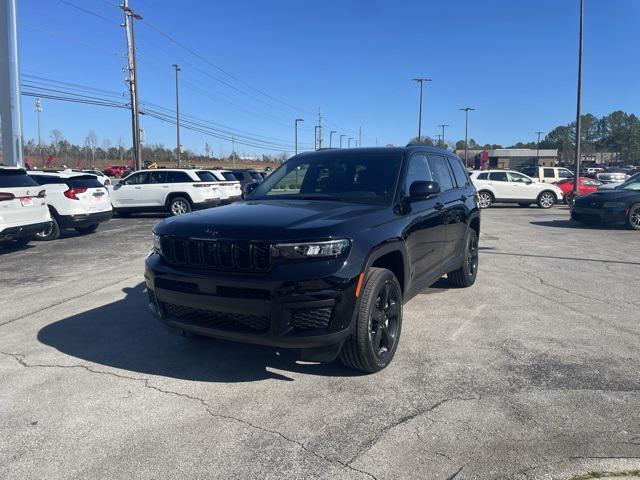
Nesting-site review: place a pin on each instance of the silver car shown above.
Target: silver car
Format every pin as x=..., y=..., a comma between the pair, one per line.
x=610, y=177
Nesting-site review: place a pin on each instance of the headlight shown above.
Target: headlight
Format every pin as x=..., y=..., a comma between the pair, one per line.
x=157, y=247
x=614, y=205
x=331, y=248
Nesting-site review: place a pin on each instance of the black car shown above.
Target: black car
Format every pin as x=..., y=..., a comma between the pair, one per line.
x=322, y=255
x=247, y=177
x=619, y=205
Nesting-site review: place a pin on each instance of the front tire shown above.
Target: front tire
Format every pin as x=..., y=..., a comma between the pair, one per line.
x=465, y=276
x=633, y=218
x=52, y=232
x=179, y=206
x=546, y=200
x=373, y=344
x=485, y=199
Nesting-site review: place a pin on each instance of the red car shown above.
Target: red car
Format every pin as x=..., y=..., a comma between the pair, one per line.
x=115, y=170
x=585, y=185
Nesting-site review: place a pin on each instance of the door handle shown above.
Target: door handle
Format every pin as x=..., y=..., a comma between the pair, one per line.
x=439, y=206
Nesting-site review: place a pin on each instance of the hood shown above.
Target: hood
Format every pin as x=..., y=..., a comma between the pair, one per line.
x=611, y=195
x=277, y=220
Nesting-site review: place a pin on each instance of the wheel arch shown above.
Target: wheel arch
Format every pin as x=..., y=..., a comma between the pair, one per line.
x=393, y=257
x=173, y=195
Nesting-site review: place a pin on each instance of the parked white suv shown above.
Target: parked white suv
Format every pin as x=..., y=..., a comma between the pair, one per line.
x=513, y=187
x=75, y=200
x=176, y=191
x=230, y=188
x=23, y=207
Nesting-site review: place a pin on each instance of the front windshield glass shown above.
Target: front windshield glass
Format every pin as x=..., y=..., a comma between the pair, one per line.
x=632, y=183
x=342, y=176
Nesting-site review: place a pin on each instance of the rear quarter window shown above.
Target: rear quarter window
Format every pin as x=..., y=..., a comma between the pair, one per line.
x=229, y=176
x=178, y=177
x=206, y=176
x=12, y=179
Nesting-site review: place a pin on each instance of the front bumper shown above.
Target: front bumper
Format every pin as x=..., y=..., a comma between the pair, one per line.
x=253, y=308
x=23, y=231
x=84, y=219
x=598, y=215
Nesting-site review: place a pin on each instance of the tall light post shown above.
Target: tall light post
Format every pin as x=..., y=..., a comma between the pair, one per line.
x=298, y=120
x=341, y=137
x=421, y=81
x=538, y=148
x=466, y=133
x=315, y=145
x=444, y=125
x=177, y=68
x=38, y=111
x=349, y=144
x=578, y=102
x=331, y=137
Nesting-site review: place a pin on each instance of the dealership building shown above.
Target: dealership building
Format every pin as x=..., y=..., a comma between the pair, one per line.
x=509, y=158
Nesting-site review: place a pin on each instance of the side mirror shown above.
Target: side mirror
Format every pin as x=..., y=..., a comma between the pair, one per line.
x=250, y=187
x=422, y=190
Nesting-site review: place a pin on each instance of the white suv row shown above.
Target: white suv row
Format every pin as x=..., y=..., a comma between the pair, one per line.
x=176, y=191
x=76, y=200
x=23, y=207
x=507, y=186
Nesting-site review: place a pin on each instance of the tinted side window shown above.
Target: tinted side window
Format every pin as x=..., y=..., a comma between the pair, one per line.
x=418, y=171
x=47, y=179
x=83, y=182
x=229, y=176
x=138, y=179
x=206, y=176
x=459, y=172
x=440, y=172
x=483, y=176
x=158, y=177
x=548, y=173
x=565, y=174
x=15, y=179
x=530, y=171
x=498, y=176
x=178, y=177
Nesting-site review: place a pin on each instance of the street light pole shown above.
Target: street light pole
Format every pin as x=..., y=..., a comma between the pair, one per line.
x=420, y=80
x=578, y=102
x=331, y=137
x=466, y=133
x=538, y=149
x=341, y=137
x=177, y=68
x=443, y=127
x=349, y=144
x=298, y=120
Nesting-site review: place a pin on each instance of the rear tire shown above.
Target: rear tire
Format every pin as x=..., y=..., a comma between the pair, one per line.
x=465, y=276
x=87, y=230
x=179, y=206
x=546, y=200
x=633, y=218
x=373, y=344
x=485, y=199
x=50, y=233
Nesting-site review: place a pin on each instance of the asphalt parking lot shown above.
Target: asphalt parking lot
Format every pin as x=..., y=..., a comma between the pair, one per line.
x=532, y=373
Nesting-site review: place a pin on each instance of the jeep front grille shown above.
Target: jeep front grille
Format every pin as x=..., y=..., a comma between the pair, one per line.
x=217, y=254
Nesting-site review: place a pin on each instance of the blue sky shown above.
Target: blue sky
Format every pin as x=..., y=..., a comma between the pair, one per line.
x=514, y=61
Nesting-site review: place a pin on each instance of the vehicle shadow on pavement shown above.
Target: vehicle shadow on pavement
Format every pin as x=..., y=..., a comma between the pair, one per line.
x=575, y=225
x=125, y=335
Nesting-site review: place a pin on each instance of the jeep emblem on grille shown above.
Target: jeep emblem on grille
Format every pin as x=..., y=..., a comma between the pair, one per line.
x=211, y=232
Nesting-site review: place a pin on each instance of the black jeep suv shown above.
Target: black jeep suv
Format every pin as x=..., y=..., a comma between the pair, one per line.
x=322, y=255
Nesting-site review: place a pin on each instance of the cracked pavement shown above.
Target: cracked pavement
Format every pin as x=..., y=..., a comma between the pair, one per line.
x=530, y=374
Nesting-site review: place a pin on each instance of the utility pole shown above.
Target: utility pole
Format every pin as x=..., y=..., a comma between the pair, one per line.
x=10, y=106
x=38, y=111
x=341, y=137
x=360, y=137
x=233, y=150
x=579, y=103
x=538, y=149
x=129, y=17
x=420, y=80
x=350, y=142
x=466, y=132
x=315, y=140
x=177, y=68
x=444, y=125
x=319, y=129
x=298, y=120
x=331, y=137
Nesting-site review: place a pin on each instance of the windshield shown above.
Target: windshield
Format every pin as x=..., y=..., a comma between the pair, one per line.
x=352, y=177
x=632, y=183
